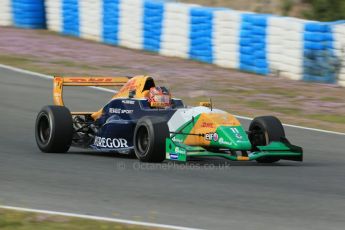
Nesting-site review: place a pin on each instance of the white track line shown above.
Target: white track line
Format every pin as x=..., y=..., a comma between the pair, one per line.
x=98, y=218
x=113, y=91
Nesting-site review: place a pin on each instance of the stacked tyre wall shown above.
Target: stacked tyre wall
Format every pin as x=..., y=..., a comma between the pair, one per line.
x=22, y=13
x=257, y=43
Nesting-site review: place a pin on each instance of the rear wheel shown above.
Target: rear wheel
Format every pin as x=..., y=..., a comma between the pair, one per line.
x=54, y=129
x=264, y=130
x=149, y=139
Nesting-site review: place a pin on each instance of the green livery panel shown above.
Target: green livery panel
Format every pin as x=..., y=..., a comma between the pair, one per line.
x=226, y=141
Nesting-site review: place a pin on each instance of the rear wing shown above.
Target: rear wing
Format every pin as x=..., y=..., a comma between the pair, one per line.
x=60, y=82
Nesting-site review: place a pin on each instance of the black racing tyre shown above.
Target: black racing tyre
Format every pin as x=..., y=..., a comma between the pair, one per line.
x=262, y=131
x=149, y=139
x=54, y=129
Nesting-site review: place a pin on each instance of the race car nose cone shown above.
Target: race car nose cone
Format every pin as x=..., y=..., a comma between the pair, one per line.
x=232, y=137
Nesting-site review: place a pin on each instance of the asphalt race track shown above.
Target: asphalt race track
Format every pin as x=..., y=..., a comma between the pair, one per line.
x=224, y=195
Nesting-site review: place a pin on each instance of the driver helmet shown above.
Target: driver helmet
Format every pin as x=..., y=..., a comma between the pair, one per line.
x=159, y=97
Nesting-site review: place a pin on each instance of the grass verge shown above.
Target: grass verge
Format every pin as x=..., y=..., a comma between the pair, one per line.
x=18, y=220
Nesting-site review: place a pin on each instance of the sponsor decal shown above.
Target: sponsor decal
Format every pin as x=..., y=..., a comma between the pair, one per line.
x=110, y=142
x=211, y=136
x=237, y=133
x=127, y=111
x=215, y=137
x=178, y=140
x=158, y=104
x=223, y=142
x=180, y=151
x=120, y=111
x=207, y=125
x=114, y=110
x=239, y=136
x=173, y=156
x=98, y=79
x=129, y=102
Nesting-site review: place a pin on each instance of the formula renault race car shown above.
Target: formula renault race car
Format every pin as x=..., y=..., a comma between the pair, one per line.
x=143, y=120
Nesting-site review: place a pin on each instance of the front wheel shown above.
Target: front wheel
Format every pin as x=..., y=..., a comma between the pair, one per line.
x=262, y=131
x=149, y=139
x=54, y=129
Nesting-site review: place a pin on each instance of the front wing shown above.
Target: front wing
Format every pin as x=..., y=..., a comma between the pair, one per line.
x=281, y=150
